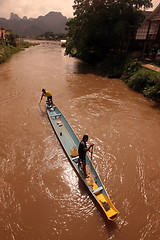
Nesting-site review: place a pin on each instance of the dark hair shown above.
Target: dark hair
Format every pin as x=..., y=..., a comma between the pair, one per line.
x=43, y=90
x=85, y=137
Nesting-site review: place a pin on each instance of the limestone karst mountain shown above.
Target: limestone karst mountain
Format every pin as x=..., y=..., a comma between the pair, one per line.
x=52, y=22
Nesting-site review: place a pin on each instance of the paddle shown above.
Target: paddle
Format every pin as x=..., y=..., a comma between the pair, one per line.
x=40, y=100
x=91, y=165
x=91, y=152
x=40, y=104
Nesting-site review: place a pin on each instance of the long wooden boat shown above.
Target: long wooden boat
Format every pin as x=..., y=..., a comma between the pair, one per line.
x=70, y=143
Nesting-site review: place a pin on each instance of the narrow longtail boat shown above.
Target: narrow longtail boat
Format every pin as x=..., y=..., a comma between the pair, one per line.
x=70, y=143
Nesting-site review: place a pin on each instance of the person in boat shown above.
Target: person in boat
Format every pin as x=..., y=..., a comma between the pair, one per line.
x=48, y=95
x=82, y=149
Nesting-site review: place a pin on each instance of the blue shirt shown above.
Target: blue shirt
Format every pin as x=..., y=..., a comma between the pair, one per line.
x=81, y=150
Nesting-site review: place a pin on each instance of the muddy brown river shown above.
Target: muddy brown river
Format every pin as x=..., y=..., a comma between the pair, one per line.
x=41, y=197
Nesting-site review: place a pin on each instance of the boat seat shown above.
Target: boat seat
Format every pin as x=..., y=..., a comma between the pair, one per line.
x=56, y=115
x=75, y=159
x=106, y=206
x=97, y=190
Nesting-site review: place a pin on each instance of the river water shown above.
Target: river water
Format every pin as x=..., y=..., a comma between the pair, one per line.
x=41, y=197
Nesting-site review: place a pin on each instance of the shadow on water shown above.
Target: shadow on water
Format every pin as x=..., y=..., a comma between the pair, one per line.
x=156, y=105
x=111, y=226
x=86, y=68
x=83, y=189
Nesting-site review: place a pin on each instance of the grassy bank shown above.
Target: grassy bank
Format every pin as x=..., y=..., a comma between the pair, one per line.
x=142, y=80
x=7, y=50
x=136, y=76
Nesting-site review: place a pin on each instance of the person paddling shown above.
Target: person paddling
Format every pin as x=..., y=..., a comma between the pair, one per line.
x=82, y=153
x=48, y=95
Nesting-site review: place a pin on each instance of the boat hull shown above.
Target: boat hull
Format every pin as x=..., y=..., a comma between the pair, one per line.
x=70, y=143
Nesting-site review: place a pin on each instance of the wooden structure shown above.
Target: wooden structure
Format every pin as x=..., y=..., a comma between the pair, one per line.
x=3, y=33
x=148, y=35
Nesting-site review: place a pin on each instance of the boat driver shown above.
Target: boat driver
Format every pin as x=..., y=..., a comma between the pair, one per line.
x=82, y=153
x=48, y=95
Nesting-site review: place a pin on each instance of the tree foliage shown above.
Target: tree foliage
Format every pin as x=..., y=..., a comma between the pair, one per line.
x=11, y=39
x=100, y=26
x=147, y=82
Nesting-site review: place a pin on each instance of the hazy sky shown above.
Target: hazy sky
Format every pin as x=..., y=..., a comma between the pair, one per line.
x=35, y=8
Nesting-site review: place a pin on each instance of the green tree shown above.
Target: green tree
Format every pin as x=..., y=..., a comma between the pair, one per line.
x=101, y=25
x=11, y=39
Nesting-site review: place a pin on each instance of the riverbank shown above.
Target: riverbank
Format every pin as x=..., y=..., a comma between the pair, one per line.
x=6, y=50
x=143, y=78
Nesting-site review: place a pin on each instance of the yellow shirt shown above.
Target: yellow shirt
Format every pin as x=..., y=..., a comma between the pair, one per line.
x=47, y=94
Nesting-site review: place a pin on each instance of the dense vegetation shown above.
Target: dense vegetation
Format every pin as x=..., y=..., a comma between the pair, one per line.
x=101, y=33
x=137, y=77
x=6, y=51
x=142, y=80
x=102, y=27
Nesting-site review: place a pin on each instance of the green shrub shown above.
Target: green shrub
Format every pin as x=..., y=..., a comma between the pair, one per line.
x=6, y=51
x=152, y=90
x=147, y=82
x=131, y=67
x=138, y=80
